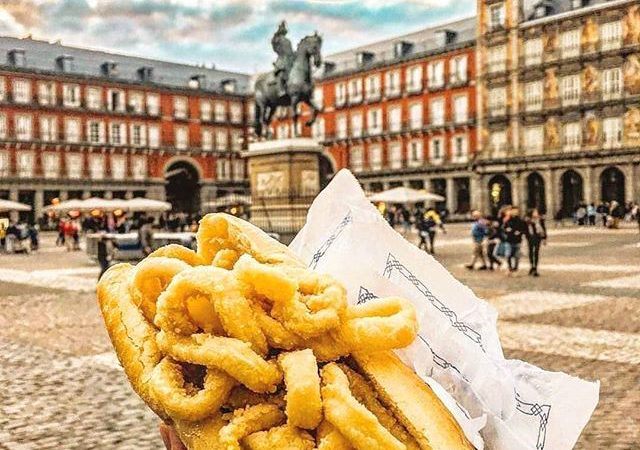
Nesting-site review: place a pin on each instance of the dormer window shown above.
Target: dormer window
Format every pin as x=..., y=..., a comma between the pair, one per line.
x=64, y=63
x=229, y=85
x=363, y=58
x=402, y=48
x=575, y=4
x=145, y=73
x=446, y=37
x=17, y=57
x=197, y=82
x=109, y=68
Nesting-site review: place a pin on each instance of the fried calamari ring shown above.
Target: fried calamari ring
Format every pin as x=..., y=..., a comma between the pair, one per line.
x=304, y=405
x=179, y=252
x=381, y=324
x=285, y=437
x=355, y=422
x=230, y=355
x=329, y=438
x=288, y=304
x=277, y=335
x=180, y=401
x=150, y=277
x=248, y=421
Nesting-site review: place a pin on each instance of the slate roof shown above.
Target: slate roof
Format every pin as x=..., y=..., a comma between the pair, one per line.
x=555, y=6
x=41, y=55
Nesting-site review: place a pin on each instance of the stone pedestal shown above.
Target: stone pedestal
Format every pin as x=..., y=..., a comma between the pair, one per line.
x=285, y=178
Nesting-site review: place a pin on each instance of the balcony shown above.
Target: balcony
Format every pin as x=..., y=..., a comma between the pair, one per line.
x=372, y=96
x=393, y=92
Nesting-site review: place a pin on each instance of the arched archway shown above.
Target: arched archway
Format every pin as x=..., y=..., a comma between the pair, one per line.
x=536, y=197
x=572, y=192
x=612, y=185
x=182, y=187
x=499, y=192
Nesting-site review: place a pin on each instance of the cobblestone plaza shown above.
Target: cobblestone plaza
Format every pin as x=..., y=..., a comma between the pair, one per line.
x=63, y=387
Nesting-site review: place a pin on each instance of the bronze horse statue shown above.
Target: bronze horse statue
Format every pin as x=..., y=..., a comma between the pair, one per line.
x=298, y=87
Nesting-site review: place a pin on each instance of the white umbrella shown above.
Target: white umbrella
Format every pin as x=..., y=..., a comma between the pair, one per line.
x=67, y=205
x=229, y=200
x=147, y=205
x=404, y=195
x=102, y=204
x=8, y=205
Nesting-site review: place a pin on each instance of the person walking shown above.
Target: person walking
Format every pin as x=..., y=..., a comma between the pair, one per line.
x=536, y=235
x=514, y=229
x=145, y=235
x=478, y=235
x=432, y=220
x=591, y=214
x=493, y=240
x=104, y=255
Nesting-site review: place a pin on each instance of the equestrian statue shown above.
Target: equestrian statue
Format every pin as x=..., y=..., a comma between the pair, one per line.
x=291, y=81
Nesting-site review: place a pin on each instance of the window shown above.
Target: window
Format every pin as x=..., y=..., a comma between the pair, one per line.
x=415, y=116
x=317, y=129
x=612, y=132
x=238, y=169
x=372, y=87
x=374, y=121
x=94, y=98
x=138, y=135
x=182, y=137
x=415, y=154
x=572, y=135
x=154, y=136
x=95, y=132
x=355, y=159
x=48, y=129
x=74, y=166
x=237, y=139
x=497, y=59
x=498, y=140
x=436, y=74
x=205, y=110
x=436, y=151
x=375, y=157
x=392, y=83
x=47, y=93
x=180, y=107
x=611, y=35
x=223, y=169
x=459, y=149
x=2, y=89
x=356, y=125
x=570, y=44
x=51, y=164
x=460, y=109
x=207, y=139
x=611, y=83
x=118, y=167
x=139, y=167
x=497, y=101
x=21, y=90
x=496, y=17
x=4, y=163
x=117, y=134
x=437, y=112
x=220, y=112
x=341, y=125
x=71, y=95
x=3, y=126
x=341, y=94
x=136, y=102
x=458, y=70
x=153, y=104
x=533, y=139
x=96, y=167
x=25, y=162
x=318, y=97
x=395, y=119
x=414, y=78
x=395, y=155
x=570, y=90
x=235, y=111
x=23, y=127
x=533, y=96
x=221, y=140
x=533, y=52
x=355, y=90
x=115, y=100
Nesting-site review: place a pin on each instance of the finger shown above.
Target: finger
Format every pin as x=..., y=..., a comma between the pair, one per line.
x=176, y=443
x=164, y=434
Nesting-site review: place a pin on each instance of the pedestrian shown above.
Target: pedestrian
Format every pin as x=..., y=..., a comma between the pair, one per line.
x=581, y=214
x=60, y=238
x=591, y=214
x=514, y=229
x=536, y=236
x=604, y=211
x=145, y=235
x=478, y=235
x=68, y=231
x=405, y=217
x=493, y=240
x=432, y=220
x=104, y=255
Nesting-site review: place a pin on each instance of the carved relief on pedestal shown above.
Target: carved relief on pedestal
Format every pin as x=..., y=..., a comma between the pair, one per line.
x=551, y=85
x=590, y=36
x=632, y=74
x=632, y=127
x=269, y=184
x=590, y=81
x=551, y=133
x=309, y=182
x=631, y=26
x=592, y=130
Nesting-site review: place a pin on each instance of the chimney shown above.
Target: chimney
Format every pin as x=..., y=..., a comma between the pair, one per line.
x=64, y=63
x=145, y=73
x=364, y=58
x=402, y=48
x=16, y=57
x=446, y=37
x=109, y=68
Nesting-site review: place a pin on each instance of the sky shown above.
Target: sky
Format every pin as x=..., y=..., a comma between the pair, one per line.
x=231, y=34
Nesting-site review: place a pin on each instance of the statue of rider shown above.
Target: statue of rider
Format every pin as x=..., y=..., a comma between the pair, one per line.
x=282, y=46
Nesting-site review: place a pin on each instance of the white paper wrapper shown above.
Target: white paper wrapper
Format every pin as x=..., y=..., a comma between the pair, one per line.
x=508, y=404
